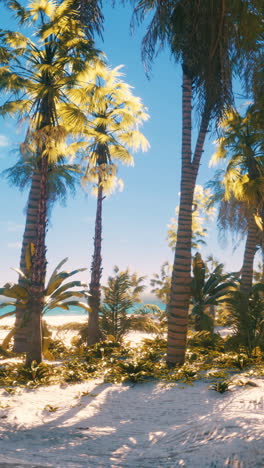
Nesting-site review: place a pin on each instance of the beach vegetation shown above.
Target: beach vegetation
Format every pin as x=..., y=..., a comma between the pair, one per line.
x=209, y=58
x=58, y=292
x=113, y=361
x=60, y=85
x=238, y=188
x=207, y=291
x=118, y=313
x=114, y=116
x=206, y=340
x=62, y=177
x=221, y=386
x=248, y=323
x=36, y=77
x=161, y=283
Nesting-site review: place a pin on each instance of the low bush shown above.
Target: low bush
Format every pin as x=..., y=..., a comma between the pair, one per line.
x=109, y=347
x=77, y=371
x=206, y=340
x=153, y=349
x=220, y=387
x=130, y=371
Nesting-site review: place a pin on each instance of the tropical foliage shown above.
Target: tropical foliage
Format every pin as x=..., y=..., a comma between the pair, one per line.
x=114, y=115
x=118, y=314
x=209, y=56
x=63, y=176
x=239, y=193
x=36, y=77
x=56, y=295
x=248, y=323
x=72, y=105
x=207, y=291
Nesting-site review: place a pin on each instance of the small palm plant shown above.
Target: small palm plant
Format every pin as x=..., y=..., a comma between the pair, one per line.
x=118, y=314
x=56, y=294
x=208, y=291
x=248, y=327
x=221, y=387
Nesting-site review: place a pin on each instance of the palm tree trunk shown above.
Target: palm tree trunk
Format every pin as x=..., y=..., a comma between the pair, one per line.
x=181, y=275
x=94, y=334
x=30, y=235
x=249, y=255
x=34, y=351
x=245, y=330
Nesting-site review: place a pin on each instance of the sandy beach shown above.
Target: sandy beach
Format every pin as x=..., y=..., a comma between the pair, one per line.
x=152, y=424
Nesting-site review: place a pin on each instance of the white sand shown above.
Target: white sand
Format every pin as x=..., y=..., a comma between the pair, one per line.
x=142, y=426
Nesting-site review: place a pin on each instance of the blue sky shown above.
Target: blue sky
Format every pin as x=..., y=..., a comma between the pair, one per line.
x=134, y=221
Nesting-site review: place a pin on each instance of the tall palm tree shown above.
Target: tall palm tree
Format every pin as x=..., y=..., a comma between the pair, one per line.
x=113, y=118
x=37, y=76
x=202, y=36
x=242, y=145
x=61, y=178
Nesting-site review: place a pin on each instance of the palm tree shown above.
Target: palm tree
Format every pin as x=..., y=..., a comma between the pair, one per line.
x=239, y=191
x=37, y=76
x=118, y=314
x=208, y=290
x=241, y=188
x=91, y=16
x=113, y=118
x=56, y=294
x=202, y=36
x=61, y=178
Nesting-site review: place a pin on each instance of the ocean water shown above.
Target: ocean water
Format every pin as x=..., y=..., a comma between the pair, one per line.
x=78, y=311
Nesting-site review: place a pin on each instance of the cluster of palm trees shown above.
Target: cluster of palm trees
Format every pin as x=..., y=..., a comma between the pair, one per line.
x=213, y=41
x=75, y=104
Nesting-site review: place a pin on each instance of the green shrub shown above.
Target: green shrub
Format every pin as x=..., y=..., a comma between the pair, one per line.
x=129, y=371
x=248, y=319
x=3, y=372
x=135, y=371
x=110, y=347
x=217, y=374
x=153, y=349
x=57, y=348
x=233, y=360
x=77, y=371
x=220, y=386
x=206, y=340
x=187, y=373
x=34, y=374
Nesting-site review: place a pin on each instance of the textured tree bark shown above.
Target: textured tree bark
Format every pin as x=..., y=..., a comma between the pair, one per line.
x=30, y=235
x=34, y=351
x=94, y=333
x=34, y=343
x=249, y=255
x=181, y=275
x=246, y=284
